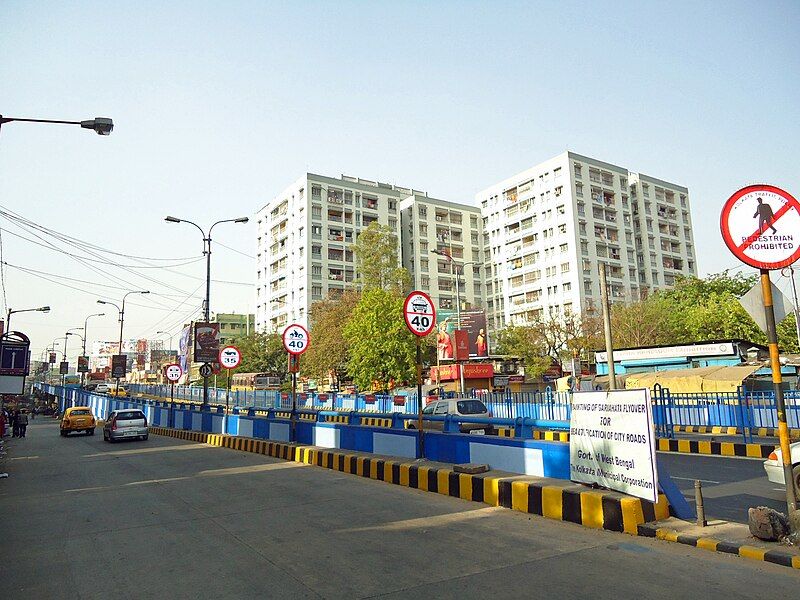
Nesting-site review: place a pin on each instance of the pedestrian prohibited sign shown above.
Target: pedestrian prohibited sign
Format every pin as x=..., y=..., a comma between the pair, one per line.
x=419, y=313
x=230, y=357
x=761, y=226
x=173, y=372
x=296, y=339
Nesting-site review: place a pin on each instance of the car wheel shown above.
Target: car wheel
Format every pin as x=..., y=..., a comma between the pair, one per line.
x=63, y=433
x=144, y=438
x=111, y=440
x=796, y=477
x=90, y=431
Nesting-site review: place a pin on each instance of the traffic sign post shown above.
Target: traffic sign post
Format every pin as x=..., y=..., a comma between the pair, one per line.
x=296, y=340
x=420, y=317
x=173, y=373
x=229, y=358
x=761, y=227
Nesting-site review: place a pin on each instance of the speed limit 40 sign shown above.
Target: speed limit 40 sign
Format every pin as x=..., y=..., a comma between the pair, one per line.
x=296, y=339
x=419, y=313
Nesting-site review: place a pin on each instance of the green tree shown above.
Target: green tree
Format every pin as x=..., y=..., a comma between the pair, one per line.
x=787, y=335
x=376, y=250
x=261, y=353
x=648, y=322
x=524, y=341
x=381, y=350
x=329, y=350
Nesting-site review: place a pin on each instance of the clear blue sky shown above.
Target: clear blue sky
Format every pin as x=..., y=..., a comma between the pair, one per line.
x=218, y=106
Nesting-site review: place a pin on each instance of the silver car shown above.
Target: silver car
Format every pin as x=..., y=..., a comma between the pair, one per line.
x=459, y=407
x=129, y=423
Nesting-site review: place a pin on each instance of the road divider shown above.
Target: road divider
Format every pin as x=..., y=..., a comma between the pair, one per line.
x=715, y=448
x=546, y=497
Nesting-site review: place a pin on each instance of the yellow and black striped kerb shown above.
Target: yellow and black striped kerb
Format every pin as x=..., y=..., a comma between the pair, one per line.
x=564, y=501
x=337, y=419
x=715, y=448
x=550, y=436
x=705, y=429
x=770, y=432
x=744, y=550
x=376, y=422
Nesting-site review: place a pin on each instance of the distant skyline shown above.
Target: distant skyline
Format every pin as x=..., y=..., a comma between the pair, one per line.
x=218, y=107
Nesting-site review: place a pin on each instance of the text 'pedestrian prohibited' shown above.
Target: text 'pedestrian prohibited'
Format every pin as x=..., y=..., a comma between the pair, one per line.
x=761, y=226
x=230, y=357
x=173, y=372
x=419, y=313
x=296, y=339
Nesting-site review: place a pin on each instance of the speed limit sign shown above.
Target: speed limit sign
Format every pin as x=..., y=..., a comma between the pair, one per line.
x=419, y=313
x=296, y=339
x=230, y=357
x=173, y=372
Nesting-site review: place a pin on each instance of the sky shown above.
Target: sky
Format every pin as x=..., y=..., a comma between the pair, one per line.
x=219, y=106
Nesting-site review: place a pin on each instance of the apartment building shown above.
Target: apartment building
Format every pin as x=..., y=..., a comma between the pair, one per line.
x=304, y=238
x=233, y=325
x=432, y=230
x=548, y=229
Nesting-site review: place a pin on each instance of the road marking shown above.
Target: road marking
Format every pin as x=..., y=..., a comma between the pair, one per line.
x=692, y=479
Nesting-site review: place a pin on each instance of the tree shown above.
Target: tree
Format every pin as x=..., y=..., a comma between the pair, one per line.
x=261, y=353
x=328, y=353
x=381, y=348
x=376, y=250
x=648, y=322
x=525, y=342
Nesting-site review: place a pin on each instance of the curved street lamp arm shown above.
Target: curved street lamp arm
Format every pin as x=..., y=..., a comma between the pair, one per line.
x=239, y=220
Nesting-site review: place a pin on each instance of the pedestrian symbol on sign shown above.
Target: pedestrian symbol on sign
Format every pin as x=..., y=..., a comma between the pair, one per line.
x=765, y=216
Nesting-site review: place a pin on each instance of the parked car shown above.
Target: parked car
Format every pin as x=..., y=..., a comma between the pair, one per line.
x=78, y=418
x=463, y=407
x=121, y=392
x=91, y=387
x=774, y=465
x=129, y=423
x=102, y=388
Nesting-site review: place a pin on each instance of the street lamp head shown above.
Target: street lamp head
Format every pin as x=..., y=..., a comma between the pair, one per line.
x=102, y=302
x=145, y=292
x=44, y=309
x=169, y=219
x=102, y=125
x=241, y=220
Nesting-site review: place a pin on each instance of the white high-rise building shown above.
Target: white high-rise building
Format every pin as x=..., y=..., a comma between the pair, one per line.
x=432, y=230
x=547, y=230
x=304, y=238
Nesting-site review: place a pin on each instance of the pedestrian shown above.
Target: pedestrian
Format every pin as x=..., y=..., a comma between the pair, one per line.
x=15, y=423
x=22, y=423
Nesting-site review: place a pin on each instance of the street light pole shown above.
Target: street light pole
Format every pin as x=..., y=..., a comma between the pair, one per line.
x=121, y=324
x=207, y=253
x=11, y=312
x=85, y=337
x=790, y=271
x=101, y=125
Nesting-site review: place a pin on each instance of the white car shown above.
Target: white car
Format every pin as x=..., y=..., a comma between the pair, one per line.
x=102, y=388
x=774, y=465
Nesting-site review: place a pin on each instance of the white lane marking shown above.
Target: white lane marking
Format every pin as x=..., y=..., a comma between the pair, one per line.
x=693, y=479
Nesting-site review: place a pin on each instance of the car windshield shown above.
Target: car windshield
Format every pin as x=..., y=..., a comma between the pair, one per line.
x=80, y=411
x=471, y=407
x=130, y=415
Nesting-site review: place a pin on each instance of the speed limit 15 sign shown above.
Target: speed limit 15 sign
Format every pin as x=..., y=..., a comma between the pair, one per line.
x=296, y=339
x=419, y=313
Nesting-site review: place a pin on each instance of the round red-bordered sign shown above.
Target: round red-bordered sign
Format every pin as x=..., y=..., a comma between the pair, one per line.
x=296, y=339
x=173, y=372
x=761, y=226
x=419, y=313
x=230, y=357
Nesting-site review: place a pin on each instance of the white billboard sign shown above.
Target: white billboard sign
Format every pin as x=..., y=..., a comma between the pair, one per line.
x=611, y=442
x=712, y=349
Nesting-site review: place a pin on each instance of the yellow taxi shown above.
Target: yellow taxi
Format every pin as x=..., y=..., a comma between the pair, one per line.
x=122, y=392
x=78, y=418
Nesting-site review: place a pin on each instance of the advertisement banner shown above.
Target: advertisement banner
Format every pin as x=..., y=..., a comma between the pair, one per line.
x=450, y=372
x=83, y=364
x=473, y=321
x=611, y=442
x=52, y=358
x=119, y=366
x=63, y=368
x=206, y=342
x=460, y=344
x=183, y=348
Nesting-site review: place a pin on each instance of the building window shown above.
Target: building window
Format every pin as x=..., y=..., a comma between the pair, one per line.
x=578, y=169
x=445, y=302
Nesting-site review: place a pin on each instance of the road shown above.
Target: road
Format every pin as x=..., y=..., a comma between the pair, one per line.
x=173, y=519
x=730, y=485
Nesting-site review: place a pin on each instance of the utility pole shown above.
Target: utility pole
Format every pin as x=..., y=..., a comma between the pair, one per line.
x=790, y=271
x=612, y=379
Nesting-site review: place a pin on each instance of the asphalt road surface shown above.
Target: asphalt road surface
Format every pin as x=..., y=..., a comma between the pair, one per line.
x=730, y=485
x=165, y=518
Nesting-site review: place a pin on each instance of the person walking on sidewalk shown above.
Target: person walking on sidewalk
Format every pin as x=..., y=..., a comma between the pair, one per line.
x=22, y=423
x=14, y=423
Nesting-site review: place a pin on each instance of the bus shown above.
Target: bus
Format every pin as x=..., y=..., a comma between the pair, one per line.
x=255, y=381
